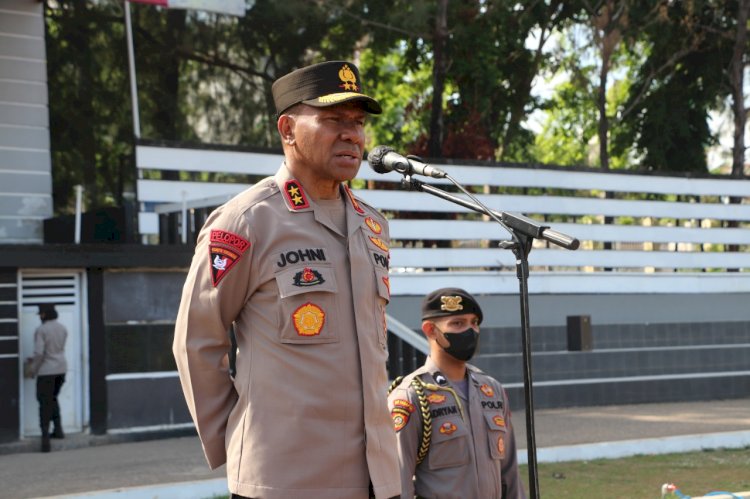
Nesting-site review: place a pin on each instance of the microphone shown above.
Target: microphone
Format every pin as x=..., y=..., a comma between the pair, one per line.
x=383, y=159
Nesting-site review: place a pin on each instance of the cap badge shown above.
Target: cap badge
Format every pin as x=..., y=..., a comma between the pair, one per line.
x=308, y=319
x=451, y=303
x=348, y=78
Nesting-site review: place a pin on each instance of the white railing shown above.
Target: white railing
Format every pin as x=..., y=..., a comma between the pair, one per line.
x=668, y=234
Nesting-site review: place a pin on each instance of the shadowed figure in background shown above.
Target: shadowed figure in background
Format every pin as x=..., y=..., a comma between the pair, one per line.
x=49, y=366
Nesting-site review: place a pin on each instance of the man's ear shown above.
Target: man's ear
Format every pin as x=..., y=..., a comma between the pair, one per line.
x=428, y=328
x=285, y=125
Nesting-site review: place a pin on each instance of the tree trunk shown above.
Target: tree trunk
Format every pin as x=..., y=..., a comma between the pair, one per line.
x=435, y=145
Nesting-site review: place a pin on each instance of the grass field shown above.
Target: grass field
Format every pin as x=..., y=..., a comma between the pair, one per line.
x=641, y=477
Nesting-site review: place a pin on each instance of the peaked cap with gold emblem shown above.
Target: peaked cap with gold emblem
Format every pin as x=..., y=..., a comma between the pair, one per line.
x=449, y=301
x=321, y=85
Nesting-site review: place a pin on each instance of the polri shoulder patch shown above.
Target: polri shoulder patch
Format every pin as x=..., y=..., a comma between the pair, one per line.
x=224, y=250
x=400, y=418
x=295, y=195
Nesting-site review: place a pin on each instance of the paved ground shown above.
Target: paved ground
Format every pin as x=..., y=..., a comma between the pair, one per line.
x=110, y=467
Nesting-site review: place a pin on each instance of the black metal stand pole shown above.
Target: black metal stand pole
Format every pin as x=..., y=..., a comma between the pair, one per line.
x=521, y=249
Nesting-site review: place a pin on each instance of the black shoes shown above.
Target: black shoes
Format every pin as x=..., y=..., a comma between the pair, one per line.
x=58, y=433
x=45, y=443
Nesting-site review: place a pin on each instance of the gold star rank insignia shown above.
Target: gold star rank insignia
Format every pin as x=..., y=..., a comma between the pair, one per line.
x=295, y=195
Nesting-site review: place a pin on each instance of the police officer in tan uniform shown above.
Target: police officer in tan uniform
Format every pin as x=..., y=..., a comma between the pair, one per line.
x=299, y=267
x=455, y=435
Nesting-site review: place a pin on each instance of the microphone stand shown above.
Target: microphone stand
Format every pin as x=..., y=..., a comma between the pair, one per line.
x=523, y=231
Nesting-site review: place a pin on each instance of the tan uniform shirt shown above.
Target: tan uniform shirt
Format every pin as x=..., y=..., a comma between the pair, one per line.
x=472, y=453
x=306, y=415
x=49, y=349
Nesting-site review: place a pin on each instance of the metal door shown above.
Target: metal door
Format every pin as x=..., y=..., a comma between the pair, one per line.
x=67, y=291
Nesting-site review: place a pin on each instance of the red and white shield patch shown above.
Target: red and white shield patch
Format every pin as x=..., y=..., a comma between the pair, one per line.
x=224, y=251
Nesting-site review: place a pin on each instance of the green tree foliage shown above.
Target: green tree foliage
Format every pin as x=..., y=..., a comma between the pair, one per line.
x=680, y=81
x=89, y=116
x=207, y=78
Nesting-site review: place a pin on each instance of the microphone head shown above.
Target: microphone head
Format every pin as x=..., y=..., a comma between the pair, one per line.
x=375, y=158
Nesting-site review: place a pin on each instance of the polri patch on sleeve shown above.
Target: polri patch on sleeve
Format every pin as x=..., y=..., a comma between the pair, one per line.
x=224, y=250
x=400, y=418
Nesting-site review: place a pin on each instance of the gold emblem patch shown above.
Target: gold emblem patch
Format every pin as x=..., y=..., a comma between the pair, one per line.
x=499, y=421
x=373, y=225
x=348, y=78
x=501, y=447
x=451, y=303
x=447, y=428
x=379, y=243
x=435, y=398
x=487, y=390
x=308, y=319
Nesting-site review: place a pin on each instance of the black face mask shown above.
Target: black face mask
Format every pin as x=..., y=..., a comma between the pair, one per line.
x=463, y=345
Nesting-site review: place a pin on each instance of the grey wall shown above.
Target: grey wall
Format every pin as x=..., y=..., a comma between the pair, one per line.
x=552, y=310
x=25, y=171
x=142, y=295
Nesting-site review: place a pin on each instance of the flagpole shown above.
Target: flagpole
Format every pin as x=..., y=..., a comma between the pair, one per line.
x=131, y=65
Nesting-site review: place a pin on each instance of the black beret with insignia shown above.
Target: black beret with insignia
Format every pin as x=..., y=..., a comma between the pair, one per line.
x=321, y=85
x=450, y=301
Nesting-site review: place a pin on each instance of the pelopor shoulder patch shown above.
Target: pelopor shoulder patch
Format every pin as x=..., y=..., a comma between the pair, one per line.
x=224, y=250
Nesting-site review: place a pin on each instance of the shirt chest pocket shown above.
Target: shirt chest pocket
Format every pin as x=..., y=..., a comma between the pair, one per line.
x=496, y=433
x=308, y=304
x=449, y=447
